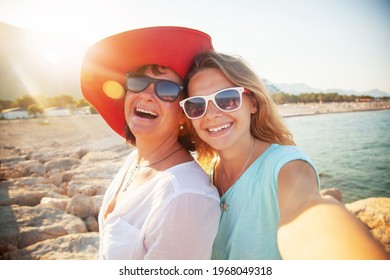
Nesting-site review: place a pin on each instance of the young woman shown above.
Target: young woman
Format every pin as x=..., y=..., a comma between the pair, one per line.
x=160, y=205
x=269, y=188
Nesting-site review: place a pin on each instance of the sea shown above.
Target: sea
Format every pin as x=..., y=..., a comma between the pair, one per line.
x=351, y=151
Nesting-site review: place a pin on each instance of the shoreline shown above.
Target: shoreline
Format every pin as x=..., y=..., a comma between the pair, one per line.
x=70, y=132
x=310, y=109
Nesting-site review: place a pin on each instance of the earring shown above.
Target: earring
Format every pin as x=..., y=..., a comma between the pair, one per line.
x=181, y=127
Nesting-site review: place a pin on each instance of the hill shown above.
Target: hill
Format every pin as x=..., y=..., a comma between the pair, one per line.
x=38, y=64
x=298, y=88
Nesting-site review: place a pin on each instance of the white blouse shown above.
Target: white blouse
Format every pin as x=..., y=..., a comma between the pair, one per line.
x=173, y=216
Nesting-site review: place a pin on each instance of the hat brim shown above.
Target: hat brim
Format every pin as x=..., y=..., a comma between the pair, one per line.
x=106, y=63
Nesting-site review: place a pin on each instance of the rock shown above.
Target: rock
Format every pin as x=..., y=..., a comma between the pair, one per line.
x=55, y=176
x=22, y=195
x=63, y=164
x=98, y=199
x=29, y=181
x=100, y=156
x=67, y=176
x=84, y=246
x=375, y=213
x=82, y=206
x=82, y=187
x=56, y=195
x=5, y=248
x=333, y=192
x=36, y=168
x=22, y=226
x=14, y=160
x=9, y=228
x=40, y=176
x=46, y=155
x=82, y=152
x=52, y=202
x=92, y=224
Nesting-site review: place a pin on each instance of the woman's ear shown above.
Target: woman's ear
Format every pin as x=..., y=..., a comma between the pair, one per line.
x=184, y=125
x=254, y=105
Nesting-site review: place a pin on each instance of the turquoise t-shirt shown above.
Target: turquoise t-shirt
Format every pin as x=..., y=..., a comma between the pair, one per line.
x=249, y=221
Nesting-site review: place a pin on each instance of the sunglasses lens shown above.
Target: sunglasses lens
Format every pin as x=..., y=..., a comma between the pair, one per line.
x=195, y=107
x=137, y=83
x=167, y=90
x=228, y=100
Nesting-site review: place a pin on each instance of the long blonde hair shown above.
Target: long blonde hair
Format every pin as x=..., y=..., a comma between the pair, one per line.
x=266, y=124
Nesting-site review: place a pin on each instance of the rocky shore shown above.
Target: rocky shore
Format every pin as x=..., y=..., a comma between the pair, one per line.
x=54, y=173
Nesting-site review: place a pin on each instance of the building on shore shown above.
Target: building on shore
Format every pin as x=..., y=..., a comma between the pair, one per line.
x=14, y=113
x=57, y=112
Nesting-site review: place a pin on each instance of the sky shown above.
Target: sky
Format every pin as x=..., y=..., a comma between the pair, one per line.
x=324, y=44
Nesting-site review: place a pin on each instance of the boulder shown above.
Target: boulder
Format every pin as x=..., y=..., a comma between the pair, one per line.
x=63, y=164
x=92, y=224
x=332, y=192
x=22, y=195
x=375, y=213
x=53, y=202
x=22, y=226
x=82, y=206
x=82, y=187
x=78, y=246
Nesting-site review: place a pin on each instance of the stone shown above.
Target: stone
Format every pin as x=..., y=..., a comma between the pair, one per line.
x=22, y=226
x=52, y=202
x=92, y=224
x=23, y=195
x=63, y=164
x=332, y=192
x=81, y=206
x=82, y=246
x=375, y=213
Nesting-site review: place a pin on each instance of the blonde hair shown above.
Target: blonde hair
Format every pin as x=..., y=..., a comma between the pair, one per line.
x=266, y=125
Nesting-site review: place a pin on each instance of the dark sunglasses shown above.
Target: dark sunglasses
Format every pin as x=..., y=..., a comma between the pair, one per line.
x=166, y=90
x=226, y=100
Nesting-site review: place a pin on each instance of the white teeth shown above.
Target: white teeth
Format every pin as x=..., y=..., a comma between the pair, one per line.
x=145, y=112
x=214, y=130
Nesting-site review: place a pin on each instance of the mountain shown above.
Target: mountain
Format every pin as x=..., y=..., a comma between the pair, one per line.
x=296, y=88
x=38, y=64
x=377, y=93
x=299, y=88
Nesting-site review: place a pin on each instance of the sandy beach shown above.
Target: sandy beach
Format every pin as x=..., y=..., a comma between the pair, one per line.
x=291, y=110
x=89, y=131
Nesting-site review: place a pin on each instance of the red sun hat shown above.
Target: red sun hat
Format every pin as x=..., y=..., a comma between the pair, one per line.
x=103, y=72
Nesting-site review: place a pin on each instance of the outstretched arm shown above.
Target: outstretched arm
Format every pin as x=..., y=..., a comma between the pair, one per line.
x=313, y=227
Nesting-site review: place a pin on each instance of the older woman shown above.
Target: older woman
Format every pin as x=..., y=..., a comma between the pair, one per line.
x=160, y=205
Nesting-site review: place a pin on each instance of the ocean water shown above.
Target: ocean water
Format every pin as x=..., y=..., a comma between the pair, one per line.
x=351, y=151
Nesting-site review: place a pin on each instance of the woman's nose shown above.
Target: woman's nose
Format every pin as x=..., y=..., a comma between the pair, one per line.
x=212, y=111
x=148, y=93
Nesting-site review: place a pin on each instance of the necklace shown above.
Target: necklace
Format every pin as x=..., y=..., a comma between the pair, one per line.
x=225, y=205
x=137, y=167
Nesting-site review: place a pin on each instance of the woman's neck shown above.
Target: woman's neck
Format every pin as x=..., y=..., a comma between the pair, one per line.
x=234, y=162
x=153, y=151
